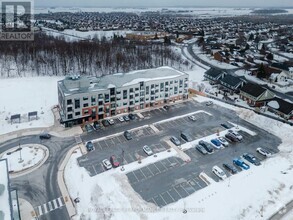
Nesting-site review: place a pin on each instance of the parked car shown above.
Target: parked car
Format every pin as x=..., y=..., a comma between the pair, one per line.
x=192, y=117
x=223, y=141
x=240, y=163
x=127, y=135
x=114, y=161
x=219, y=172
x=44, y=136
x=107, y=164
x=263, y=152
x=209, y=148
x=147, y=150
x=217, y=143
x=225, y=126
x=96, y=125
x=231, y=137
x=201, y=149
x=105, y=123
x=175, y=140
x=132, y=116
x=185, y=136
x=126, y=118
x=209, y=103
x=251, y=158
x=90, y=146
x=230, y=168
x=121, y=119
x=166, y=107
x=236, y=134
x=111, y=121
x=88, y=128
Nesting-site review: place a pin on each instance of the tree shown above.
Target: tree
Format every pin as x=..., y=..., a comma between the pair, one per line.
x=251, y=37
x=270, y=56
x=261, y=73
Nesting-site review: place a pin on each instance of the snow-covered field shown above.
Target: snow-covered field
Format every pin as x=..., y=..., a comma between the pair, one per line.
x=23, y=95
x=254, y=194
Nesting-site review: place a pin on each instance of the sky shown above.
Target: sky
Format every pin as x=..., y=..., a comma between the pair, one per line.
x=165, y=3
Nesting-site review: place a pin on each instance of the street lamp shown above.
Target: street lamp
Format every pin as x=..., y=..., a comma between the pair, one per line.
x=122, y=168
x=20, y=157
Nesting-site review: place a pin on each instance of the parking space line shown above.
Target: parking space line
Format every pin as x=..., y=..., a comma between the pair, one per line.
x=143, y=174
x=163, y=165
x=94, y=169
x=150, y=170
x=99, y=145
x=134, y=159
x=195, y=180
x=135, y=177
x=157, y=168
x=154, y=201
x=184, y=189
x=163, y=199
x=177, y=192
x=171, y=196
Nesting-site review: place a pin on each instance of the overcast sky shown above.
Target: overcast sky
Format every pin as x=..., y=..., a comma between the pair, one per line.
x=164, y=3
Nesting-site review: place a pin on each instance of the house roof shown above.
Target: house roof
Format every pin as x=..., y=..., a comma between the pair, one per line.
x=280, y=66
x=231, y=80
x=214, y=73
x=253, y=89
x=284, y=106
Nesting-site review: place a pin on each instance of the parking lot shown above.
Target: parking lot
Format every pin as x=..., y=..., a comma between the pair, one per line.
x=181, y=189
x=171, y=179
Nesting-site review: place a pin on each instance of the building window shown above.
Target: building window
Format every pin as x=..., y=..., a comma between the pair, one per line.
x=136, y=89
x=86, y=112
x=85, y=105
x=113, y=99
x=112, y=91
x=124, y=103
x=93, y=99
x=152, y=86
x=101, y=109
x=131, y=90
x=76, y=103
x=77, y=113
x=107, y=98
x=69, y=116
x=171, y=82
x=69, y=109
x=118, y=92
x=69, y=101
x=147, y=90
x=85, y=98
x=124, y=94
x=100, y=96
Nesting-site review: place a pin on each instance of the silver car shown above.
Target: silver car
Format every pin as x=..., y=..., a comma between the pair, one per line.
x=107, y=164
x=175, y=140
x=147, y=150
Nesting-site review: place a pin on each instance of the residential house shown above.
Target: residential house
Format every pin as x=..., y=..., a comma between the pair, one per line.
x=232, y=83
x=255, y=95
x=214, y=75
x=281, y=107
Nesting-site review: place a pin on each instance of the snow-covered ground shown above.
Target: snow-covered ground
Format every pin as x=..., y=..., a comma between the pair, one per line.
x=23, y=95
x=211, y=60
x=29, y=156
x=4, y=196
x=254, y=194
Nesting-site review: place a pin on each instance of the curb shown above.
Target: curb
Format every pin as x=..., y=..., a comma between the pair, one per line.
x=62, y=185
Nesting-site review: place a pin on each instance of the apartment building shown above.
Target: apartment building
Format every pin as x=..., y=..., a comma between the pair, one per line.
x=85, y=99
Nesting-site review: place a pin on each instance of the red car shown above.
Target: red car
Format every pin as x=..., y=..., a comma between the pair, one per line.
x=114, y=161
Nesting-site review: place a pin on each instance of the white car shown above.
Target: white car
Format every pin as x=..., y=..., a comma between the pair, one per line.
x=209, y=103
x=147, y=150
x=236, y=134
x=192, y=117
x=121, y=119
x=107, y=164
x=111, y=121
x=223, y=141
x=219, y=172
x=263, y=152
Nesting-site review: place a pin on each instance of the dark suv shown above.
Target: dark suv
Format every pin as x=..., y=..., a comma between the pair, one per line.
x=127, y=135
x=186, y=137
x=45, y=136
x=252, y=159
x=209, y=148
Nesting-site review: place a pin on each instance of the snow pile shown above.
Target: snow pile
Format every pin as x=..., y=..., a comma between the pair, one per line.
x=23, y=95
x=29, y=156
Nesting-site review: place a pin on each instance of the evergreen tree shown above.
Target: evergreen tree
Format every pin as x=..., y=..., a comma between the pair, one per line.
x=261, y=73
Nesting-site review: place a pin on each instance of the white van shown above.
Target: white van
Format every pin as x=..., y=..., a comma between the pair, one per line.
x=219, y=172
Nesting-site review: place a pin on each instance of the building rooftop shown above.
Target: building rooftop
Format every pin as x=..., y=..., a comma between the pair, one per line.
x=253, y=89
x=233, y=81
x=5, y=205
x=77, y=84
